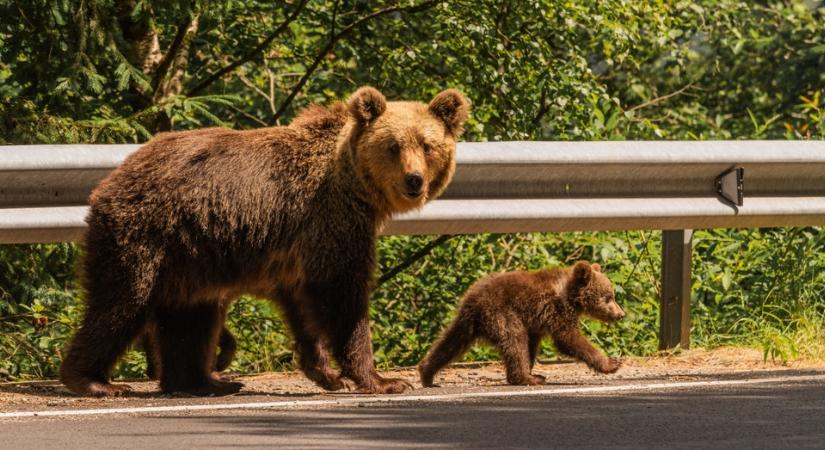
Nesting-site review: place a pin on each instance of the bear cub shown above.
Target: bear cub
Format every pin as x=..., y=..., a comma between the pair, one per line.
x=514, y=310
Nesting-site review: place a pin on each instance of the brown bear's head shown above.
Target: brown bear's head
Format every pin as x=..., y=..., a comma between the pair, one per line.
x=405, y=150
x=592, y=293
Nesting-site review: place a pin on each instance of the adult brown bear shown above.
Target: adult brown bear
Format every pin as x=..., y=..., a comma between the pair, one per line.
x=194, y=219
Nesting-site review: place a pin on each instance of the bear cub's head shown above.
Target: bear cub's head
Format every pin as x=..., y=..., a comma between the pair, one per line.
x=592, y=292
x=405, y=151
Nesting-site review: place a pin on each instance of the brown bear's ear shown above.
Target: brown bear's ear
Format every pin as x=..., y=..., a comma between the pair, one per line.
x=582, y=271
x=366, y=104
x=452, y=108
x=596, y=267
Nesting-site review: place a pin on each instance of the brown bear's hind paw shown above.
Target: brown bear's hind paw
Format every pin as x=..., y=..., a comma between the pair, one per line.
x=97, y=389
x=222, y=376
x=210, y=388
x=530, y=380
x=328, y=379
x=386, y=386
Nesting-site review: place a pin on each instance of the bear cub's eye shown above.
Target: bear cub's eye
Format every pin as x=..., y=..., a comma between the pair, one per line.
x=426, y=147
x=395, y=148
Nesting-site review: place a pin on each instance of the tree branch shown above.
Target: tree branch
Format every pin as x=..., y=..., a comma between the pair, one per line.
x=653, y=101
x=422, y=252
x=543, y=107
x=248, y=116
x=249, y=55
x=252, y=86
x=171, y=83
x=337, y=37
x=172, y=51
x=140, y=37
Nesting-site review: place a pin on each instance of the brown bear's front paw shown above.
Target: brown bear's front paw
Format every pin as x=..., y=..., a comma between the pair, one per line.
x=96, y=389
x=609, y=365
x=386, y=386
x=334, y=383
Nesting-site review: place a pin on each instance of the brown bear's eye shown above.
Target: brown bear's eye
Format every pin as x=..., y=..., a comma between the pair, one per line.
x=426, y=147
x=395, y=148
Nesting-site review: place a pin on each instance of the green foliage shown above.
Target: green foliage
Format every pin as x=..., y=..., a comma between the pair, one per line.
x=764, y=284
x=39, y=305
x=108, y=71
x=761, y=287
x=411, y=309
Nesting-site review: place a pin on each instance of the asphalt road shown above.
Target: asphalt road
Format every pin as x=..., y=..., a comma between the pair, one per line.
x=782, y=414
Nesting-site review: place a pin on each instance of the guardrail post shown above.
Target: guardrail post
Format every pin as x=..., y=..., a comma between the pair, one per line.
x=674, y=315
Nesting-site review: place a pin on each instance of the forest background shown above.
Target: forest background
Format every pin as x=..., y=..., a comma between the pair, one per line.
x=119, y=71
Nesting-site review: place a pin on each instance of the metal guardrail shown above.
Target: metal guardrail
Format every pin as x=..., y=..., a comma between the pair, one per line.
x=509, y=187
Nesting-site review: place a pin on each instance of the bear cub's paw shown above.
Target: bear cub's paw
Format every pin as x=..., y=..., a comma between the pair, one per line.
x=426, y=375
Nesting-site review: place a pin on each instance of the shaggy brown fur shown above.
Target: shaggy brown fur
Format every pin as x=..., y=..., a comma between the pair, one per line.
x=514, y=310
x=194, y=219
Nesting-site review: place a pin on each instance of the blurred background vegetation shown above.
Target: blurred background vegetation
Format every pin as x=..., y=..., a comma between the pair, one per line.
x=118, y=71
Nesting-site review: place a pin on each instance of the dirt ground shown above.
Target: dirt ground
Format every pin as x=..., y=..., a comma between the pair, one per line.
x=685, y=366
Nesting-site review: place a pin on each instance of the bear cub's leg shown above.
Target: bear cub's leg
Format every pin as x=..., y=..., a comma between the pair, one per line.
x=571, y=342
x=513, y=342
x=507, y=334
x=453, y=342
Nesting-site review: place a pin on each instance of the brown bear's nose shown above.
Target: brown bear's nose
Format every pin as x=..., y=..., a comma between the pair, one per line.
x=414, y=182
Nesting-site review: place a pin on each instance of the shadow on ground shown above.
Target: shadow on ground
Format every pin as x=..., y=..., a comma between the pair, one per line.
x=743, y=417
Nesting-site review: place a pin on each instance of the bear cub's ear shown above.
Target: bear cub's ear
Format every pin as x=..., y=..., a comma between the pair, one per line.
x=452, y=108
x=366, y=104
x=583, y=270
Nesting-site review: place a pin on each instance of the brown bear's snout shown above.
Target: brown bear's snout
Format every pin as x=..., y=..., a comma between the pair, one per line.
x=414, y=183
x=617, y=312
